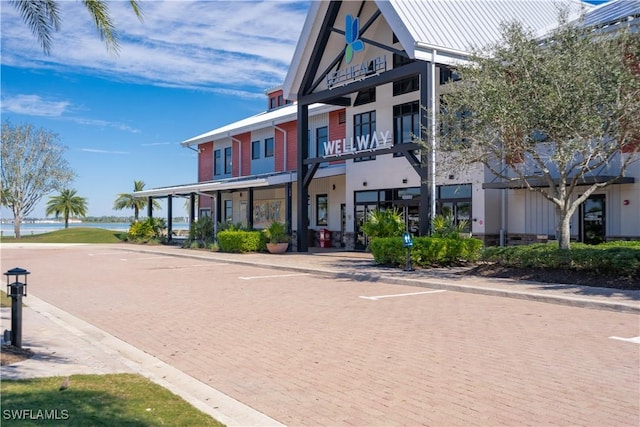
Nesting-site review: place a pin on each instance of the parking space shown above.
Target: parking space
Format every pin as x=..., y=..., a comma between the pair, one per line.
x=306, y=349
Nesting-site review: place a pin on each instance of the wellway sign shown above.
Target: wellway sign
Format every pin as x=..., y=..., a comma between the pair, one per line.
x=359, y=144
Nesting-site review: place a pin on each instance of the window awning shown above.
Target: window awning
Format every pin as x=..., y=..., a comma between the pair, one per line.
x=538, y=182
x=212, y=186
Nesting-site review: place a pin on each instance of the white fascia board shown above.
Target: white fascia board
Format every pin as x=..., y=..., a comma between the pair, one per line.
x=398, y=26
x=310, y=31
x=200, y=188
x=259, y=121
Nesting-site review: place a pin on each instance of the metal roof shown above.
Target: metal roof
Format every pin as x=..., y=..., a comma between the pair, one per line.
x=444, y=30
x=614, y=12
x=259, y=121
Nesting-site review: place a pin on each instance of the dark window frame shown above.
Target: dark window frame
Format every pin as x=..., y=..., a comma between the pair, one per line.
x=358, y=125
x=228, y=210
x=228, y=160
x=321, y=139
x=217, y=162
x=322, y=205
x=255, y=150
x=409, y=111
x=269, y=147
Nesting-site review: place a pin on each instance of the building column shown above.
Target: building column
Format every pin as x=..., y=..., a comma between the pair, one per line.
x=302, y=169
x=169, y=217
x=150, y=207
x=426, y=184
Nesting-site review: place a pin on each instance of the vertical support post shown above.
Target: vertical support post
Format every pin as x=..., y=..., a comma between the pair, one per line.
x=16, y=315
x=425, y=177
x=169, y=217
x=192, y=208
x=288, y=189
x=302, y=169
x=149, y=207
x=250, y=208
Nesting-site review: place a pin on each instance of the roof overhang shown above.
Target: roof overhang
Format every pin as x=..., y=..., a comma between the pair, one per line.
x=541, y=183
x=266, y=180
x=257, y=122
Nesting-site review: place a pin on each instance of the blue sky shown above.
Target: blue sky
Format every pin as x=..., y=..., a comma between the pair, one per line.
x=189, y=67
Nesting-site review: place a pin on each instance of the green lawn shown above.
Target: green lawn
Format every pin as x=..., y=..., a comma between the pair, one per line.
x=71, y=235
x=96, y=400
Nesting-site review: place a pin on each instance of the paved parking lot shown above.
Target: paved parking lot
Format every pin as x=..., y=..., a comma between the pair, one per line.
x=308, y=350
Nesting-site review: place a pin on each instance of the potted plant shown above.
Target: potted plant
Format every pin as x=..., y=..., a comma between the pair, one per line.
x=277, y=237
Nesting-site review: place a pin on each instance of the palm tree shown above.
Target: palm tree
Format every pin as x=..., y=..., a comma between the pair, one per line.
x=66, y=203
x=127, y=201
x=43, y=17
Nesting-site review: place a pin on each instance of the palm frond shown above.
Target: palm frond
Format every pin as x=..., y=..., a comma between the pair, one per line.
x=42, y=17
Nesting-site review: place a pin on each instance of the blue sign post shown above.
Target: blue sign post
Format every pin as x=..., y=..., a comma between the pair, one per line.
x=408, y=243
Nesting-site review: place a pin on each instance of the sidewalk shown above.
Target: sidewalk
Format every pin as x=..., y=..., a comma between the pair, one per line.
x=66, y=345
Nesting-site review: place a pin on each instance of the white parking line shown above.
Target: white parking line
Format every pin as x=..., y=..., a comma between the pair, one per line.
x=635, y=340
x=274, y=275
x=376, y=298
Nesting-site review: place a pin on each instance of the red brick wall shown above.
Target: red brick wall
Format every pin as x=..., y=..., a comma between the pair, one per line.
x=205, y=162
x=292, y=144
x=337, y=130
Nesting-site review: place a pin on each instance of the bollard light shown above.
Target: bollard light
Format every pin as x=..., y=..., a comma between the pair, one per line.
x=16, y=290
x=17, y=287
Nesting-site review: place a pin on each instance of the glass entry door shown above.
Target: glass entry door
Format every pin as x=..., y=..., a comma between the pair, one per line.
x=362, y=212
x=593, y=220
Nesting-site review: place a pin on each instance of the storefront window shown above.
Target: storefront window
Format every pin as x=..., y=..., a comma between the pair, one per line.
x=228, y=210
x=364, y=125
x=406, y=123
x=321, y=209
x=322, y=135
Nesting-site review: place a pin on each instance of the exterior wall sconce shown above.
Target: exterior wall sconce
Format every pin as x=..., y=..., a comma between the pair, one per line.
x=404, y=180
x=626, y=202
x=334, y=186
x=364, y=183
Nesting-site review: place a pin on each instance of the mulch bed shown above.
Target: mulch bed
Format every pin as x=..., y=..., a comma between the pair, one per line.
x=11, y=354
x=566, y=277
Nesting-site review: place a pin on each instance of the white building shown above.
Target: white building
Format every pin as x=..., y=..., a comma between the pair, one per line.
x=361, y=73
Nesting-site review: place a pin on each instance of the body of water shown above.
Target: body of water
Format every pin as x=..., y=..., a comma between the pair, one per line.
x=28, y=229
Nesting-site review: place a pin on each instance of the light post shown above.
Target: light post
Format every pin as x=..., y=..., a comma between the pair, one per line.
x=16, y=290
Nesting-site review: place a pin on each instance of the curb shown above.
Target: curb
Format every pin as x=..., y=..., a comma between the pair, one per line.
x=424, y=283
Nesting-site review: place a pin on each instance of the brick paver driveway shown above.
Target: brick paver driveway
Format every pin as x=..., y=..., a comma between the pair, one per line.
x=307, y=350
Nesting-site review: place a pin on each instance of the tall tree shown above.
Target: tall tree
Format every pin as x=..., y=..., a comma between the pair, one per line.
x=43, y=17
x=128, y=201
x=67, y=203
x=549, y=115
x=32, y=165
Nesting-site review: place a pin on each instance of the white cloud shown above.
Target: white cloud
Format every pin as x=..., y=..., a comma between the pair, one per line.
x=209, y=45
x=34, y=105
x=95, y=150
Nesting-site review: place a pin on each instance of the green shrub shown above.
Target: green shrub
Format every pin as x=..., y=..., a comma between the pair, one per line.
x=149, y=230
x=426, y=251
x=240, y=241
x=616, y=258
x=444, y=226
x=383, y=223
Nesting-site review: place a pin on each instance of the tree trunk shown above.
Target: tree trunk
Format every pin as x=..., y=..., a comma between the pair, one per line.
x=564, y=228
x=16, y=226
x=66, y=221
x=136, y=212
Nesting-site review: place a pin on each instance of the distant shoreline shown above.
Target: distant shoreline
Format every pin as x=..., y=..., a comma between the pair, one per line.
x=31, y=228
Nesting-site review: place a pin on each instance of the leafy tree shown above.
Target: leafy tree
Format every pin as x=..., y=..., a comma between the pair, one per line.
x=32, y=165
x=67, y=203
x=43, y=18
x=128, y=201
x=548, y=115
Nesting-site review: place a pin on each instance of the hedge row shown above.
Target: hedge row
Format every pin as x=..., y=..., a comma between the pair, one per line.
x=240, y=241
x=619, y=258
x=426, y=251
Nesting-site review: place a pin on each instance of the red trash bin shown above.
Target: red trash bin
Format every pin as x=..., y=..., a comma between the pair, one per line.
x=324, y=237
